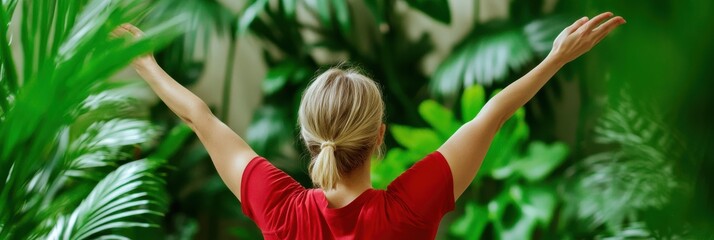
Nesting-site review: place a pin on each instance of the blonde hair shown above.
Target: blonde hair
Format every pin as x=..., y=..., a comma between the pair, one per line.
x=340, y=118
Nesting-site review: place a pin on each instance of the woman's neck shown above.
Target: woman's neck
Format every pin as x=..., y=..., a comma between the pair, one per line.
x=349, y=187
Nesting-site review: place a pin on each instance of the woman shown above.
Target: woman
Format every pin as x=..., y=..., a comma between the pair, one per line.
x=340, y=118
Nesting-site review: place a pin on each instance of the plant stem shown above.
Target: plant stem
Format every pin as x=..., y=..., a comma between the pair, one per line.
x=226, y=102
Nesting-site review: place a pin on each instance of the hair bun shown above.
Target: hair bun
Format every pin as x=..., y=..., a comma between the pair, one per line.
x=327, y=144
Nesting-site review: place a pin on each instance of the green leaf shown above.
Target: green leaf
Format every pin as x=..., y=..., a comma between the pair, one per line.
x=323, y=10
x=129, y=192
x=539, y=203
x=522, y=229
x=278, y=76
x=542, y=32
x=173, y=141
x=394, y=164
x=472, y=223
x=101, y=143
x=440, y=118
x=436, y=9
x=269, y=130
x=342, y=12
x=419, y=140
x=69, y=55
x=289, y=8
x=541, y=159
x=250, y=14
x=506, y=145
x=484, y=60
x=473, y=99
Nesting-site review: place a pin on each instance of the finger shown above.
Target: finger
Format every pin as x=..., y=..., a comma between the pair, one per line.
x=590, y=25
x=118, y=32
x=577, y=24
x=132, y=29
x=601, y=31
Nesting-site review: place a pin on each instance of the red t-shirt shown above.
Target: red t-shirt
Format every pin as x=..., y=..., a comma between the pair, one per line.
x=410, y=208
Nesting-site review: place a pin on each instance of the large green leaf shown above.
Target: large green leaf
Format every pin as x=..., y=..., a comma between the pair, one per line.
x=67, y=54
x=418, y=140
x=483, y=60
x=507, y=143
x=538, y=162
x=538, y=202
x=102, y=141
x=436, y=9
x=472, y=223
x=396, y=161
x=269, y=130
x=277, y=76
x=440, y=118
x=488, y=58
x=473, y=99
x=250, y=14
x=115, y=202
x=541, y=159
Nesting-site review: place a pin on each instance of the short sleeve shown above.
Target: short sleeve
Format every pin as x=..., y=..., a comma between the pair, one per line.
x=426, y=188
x=266, y=191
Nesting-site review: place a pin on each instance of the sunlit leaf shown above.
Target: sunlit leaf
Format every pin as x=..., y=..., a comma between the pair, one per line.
x=472, y=101
x=250, y=14
x=489, y=58
x=396, y=161
x=102, y=141
x=323, y=11
x=539, y=203
x=472, y=223
x=289, y=8
x=440, y=118
x=541, y=159
x=420, y=140
x=123, y=195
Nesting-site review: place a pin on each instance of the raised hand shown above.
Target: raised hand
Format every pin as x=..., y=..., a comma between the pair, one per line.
x=135, y=33
x=582, y=36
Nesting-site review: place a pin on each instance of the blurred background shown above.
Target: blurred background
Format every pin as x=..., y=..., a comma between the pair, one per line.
x=617, y=145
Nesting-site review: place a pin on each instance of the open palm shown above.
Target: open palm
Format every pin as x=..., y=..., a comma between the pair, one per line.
x=583, y=35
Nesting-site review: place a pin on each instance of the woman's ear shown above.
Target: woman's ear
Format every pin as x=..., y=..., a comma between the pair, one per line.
x=382, y=129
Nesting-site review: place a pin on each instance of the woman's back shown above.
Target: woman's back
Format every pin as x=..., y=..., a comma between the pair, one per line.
x=410, y=208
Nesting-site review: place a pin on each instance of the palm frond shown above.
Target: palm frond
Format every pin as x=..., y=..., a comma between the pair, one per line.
x=101, y=143
x=638, y=174
x=129, y=192
x=116, y=101
x=67, y=53
x=488, y=58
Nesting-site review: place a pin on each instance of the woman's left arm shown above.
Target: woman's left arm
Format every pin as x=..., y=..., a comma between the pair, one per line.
x=466, y=149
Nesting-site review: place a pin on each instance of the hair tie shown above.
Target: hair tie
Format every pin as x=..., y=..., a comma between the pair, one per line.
x=327, y=144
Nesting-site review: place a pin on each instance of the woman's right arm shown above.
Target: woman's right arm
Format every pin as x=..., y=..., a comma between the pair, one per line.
x=230, y=154
x=466, y=149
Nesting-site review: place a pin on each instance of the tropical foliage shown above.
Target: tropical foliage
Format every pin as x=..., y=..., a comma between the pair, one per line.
x=495, y=48
x=68, y=137
x=512, y=176
x=82, y=156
